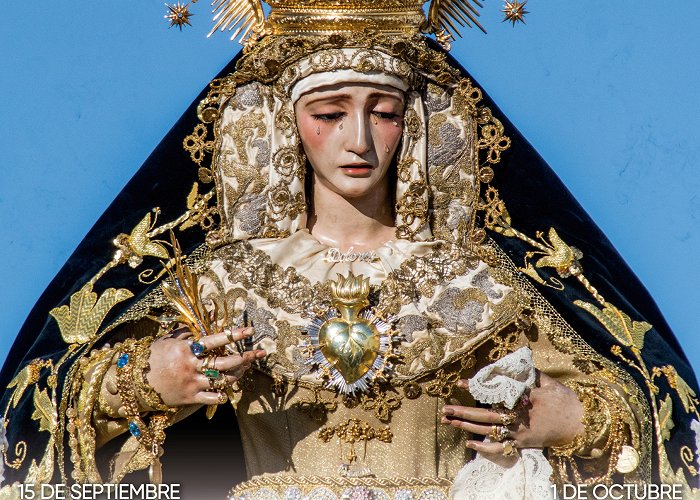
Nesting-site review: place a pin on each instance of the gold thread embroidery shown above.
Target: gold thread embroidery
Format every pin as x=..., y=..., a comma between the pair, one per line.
x=196, y=144
x=80, y=321
x=353, y=431
x=29, y=375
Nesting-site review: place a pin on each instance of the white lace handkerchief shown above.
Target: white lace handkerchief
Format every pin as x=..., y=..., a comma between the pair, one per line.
x=506, y=380
x=528, y=478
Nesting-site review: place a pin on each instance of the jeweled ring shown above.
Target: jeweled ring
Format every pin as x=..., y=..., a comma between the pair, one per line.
x=197, y=349
x=499, y=432
x=229, y=336
x=508, y=417
x=211, y=373
x=205, y=364
x=217, y=381
x=509, y=448
x=218, y=384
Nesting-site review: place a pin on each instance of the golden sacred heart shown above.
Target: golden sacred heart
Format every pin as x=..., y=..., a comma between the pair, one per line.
x=349, y=343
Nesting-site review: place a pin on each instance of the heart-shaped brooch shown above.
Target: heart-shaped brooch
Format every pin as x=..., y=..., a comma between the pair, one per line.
x=349, y=345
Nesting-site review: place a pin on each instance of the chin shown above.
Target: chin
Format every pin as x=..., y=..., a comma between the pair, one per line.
x=357, y=191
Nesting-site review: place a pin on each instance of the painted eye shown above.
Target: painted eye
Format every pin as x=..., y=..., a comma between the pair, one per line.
x=329, y=117
x=386, y=115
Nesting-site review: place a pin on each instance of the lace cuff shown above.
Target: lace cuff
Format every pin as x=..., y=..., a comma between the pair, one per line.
x=506, y=380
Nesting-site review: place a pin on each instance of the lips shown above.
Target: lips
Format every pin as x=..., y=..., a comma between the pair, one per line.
x=365, y=166
x=363, y=169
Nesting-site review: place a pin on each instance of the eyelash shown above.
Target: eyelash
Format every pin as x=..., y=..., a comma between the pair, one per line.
x=385, y=116
x=329, y=117
x=334, y=117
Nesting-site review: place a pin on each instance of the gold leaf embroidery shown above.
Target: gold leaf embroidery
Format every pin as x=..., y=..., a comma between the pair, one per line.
x=192, y=197
x=620, y=325
x=44, y=411
x=197, y=210
x=80, y=321
x=665, y=420
x=28, y=376
x=685, y=393
x=42, y=473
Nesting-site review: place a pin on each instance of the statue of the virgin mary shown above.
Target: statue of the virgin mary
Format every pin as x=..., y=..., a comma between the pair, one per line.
x=362, y=284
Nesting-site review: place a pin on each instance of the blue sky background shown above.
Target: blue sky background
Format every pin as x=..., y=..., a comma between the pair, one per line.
x=607, y=92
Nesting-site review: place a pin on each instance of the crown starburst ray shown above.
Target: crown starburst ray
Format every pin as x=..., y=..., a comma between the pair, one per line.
x=248, y=22
x=178, y=15
x=239, y=15
x=514, y=11
x=444, y=13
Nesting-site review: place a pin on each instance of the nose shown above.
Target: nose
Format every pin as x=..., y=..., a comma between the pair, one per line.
x=359, y=134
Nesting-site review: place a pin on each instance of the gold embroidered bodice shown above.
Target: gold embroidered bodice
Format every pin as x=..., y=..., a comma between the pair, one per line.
x=444, y=305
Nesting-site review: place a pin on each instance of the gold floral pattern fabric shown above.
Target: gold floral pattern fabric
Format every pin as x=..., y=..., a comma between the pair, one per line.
x=259, y=164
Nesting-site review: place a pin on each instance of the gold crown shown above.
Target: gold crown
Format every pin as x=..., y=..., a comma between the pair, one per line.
x=322, y=17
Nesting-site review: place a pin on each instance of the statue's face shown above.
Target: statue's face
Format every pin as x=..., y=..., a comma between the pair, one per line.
x=350, y=133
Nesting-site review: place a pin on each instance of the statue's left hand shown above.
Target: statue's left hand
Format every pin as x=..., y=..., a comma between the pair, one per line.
x=552, y=417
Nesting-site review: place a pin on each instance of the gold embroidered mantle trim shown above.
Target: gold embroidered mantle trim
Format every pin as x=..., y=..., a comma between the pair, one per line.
x=598, y=368
x=629, y=333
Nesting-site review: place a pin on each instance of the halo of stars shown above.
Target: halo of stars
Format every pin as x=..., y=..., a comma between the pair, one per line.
x=514, y=11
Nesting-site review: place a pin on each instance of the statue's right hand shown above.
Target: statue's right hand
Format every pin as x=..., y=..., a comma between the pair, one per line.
x=176, y=373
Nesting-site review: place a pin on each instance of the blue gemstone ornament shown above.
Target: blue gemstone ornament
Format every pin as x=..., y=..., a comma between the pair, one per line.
x=197, y=348
x=134, y=429
x=123, y=360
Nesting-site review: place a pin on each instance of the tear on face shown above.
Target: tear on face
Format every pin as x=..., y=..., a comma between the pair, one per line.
x=350, y=133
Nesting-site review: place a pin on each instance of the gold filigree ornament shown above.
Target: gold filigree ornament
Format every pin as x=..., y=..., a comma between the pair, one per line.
x=350, y=345
x=133, y=247
x=349, y=433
